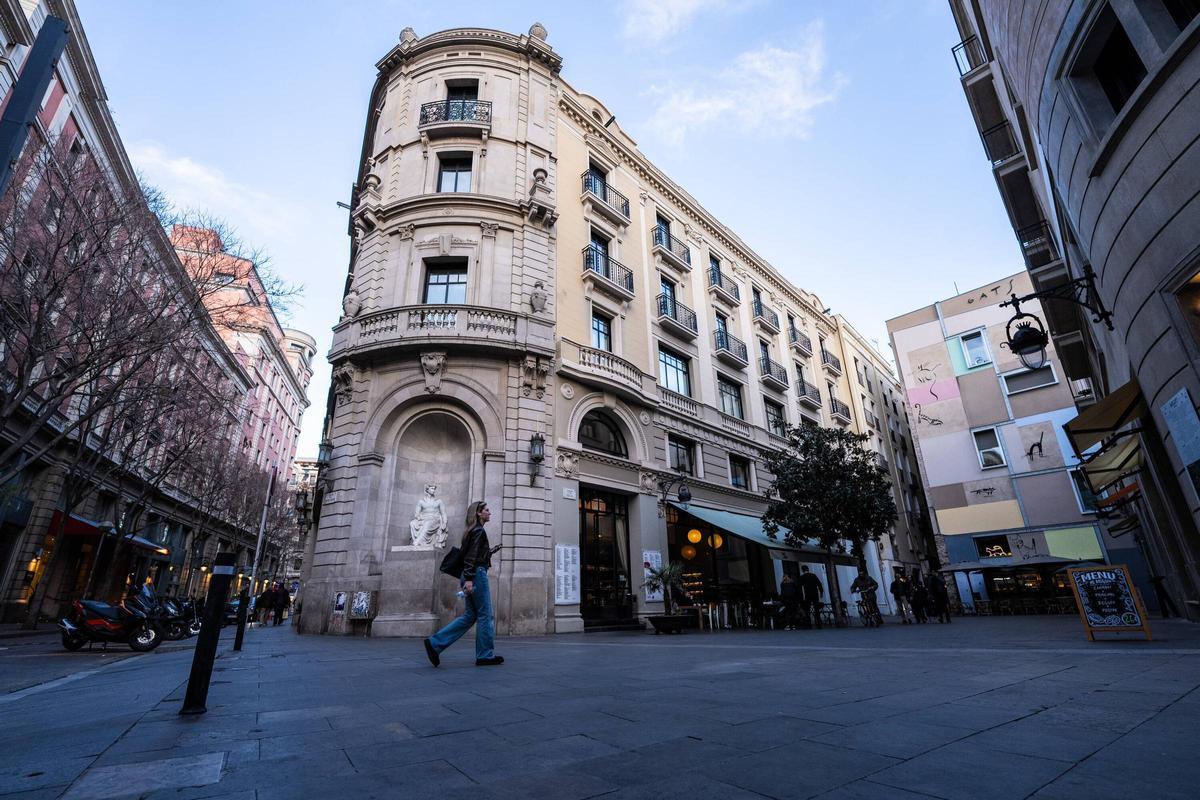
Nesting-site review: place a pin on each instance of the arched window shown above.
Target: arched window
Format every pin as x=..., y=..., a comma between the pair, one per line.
x=599, y=432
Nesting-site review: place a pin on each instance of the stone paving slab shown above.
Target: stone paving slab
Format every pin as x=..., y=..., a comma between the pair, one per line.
x=1006, y=708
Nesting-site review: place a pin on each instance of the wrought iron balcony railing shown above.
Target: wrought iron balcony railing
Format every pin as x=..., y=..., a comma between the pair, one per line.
x=808, y=394
x=728, y=343
x=1037, y=244
x=606, y=267
x=968, y=55
x=872, y=420
x=664, y=239
x=800, y=339
x=724, y=283
x=773, y=371
x=831, y=361
x=766, y=314
x=1000, y=143
x=479, y=111
x=671, y=309
x=605, y=193
x=839, y=409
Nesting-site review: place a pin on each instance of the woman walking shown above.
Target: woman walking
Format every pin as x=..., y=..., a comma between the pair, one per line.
x=477, y=560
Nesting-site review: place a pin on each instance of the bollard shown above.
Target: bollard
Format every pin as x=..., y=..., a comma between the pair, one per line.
x=210, y=633
x=243, y=605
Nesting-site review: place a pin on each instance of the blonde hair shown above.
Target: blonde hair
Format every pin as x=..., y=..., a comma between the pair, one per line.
x=473, y=514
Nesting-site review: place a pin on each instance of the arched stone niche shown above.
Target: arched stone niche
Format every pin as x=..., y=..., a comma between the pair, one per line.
x=436, y=447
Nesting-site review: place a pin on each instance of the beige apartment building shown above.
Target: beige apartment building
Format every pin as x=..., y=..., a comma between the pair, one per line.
x=1088, y=115
x=537, y=316
x=1010, y=501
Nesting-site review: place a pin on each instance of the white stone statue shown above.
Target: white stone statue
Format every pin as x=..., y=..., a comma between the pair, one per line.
x=428, y=526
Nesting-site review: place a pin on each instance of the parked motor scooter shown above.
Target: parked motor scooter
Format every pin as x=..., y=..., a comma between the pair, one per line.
x=136, y=622
x=180, y=619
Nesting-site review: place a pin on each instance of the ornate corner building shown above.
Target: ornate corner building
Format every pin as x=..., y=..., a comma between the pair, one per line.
x=536, y=316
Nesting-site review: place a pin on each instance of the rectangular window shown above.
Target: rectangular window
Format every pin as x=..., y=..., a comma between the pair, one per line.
x=454, y=174
x=673, y=372
x=776, y=422
x=1087, y=499
x=1117, y=67
x=1026, y=379
x=739, y=472
x=987, y=445
x=680, y=455
x=601, y=331
x=975, y=349
x=1182, y=11
x=446, y=284
x=731, y=397
x=764, y=350
x=662, y=222
x=462, y=90
x=714, y=263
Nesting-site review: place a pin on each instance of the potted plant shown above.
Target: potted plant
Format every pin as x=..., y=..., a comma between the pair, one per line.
x=666, y=579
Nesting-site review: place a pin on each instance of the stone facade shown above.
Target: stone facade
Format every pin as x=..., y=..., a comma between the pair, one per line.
x=518, y=272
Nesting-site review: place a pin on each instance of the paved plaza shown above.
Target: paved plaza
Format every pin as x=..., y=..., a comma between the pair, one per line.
x=983, y=708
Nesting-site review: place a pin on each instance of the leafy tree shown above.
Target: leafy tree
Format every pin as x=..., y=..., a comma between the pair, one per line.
x=828, y=489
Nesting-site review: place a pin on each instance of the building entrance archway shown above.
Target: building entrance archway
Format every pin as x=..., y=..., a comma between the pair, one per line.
x=606, y=588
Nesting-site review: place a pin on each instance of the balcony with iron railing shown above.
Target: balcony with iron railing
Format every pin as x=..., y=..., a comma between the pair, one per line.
x=607, y=274
x=839, y=410
x=1037, y=245
x=1000, y=144
x=773, y=373
x=766, y=316
x=969, y=56
x=455, y=117
x=808, y=395
x=831, y=362
x=871, y=419
x=730, y=349
x=609, y=203
x=723, y=286
x=799, y=341
x=676, y=317
x=670, y=250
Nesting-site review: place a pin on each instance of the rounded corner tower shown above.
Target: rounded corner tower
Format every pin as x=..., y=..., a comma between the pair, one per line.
x=443, y=355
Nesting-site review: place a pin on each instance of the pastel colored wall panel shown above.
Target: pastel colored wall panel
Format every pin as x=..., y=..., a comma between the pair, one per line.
x=1049, y=499
x=949, y=459
x=984, y=517
x=992, y=489
x=949, y=496
x=933, y=392
x=1076, y=543
x=981, y=397
x=929, y=364
x=1036, y=447
x=939, y=419
x=959, y=361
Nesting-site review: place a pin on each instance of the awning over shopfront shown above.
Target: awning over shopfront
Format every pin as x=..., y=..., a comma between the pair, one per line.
x=1118, y=458
x=1008, y=563
x=1100, y=421
x=750, y=528
x=81, y=526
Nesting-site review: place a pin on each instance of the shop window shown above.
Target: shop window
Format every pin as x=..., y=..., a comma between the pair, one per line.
x=597, y=431
x=446, y=283
x=1188, y=297
x=992, y=547
x=1027, y=379
x=681, y=455
x=987, y=446
x=739, y=472
x=975, y=349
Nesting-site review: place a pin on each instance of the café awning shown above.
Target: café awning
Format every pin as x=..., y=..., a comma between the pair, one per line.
x=82, y=526
x=1107, y=416
x=1120, y=457
x=750, y=528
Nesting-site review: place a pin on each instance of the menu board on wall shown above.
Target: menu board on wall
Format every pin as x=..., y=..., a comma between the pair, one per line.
x=566, y=574
x=1107, y=600
x=651, y=559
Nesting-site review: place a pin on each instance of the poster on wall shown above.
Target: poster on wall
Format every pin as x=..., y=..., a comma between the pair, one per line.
x=566, y=574
x=651, y=559
x=1184, y=424
x=339, y=602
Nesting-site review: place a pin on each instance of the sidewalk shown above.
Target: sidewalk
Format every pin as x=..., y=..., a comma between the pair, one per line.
x=981, y=708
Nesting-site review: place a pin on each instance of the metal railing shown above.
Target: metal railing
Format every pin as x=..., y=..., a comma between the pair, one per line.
x=613, y=271
x=671, y=308
x=725, y=340
x=1037, y=244
x=605, y=193
x=725, y=284
x=800, y=339
x=456, y=111
x=664, y=239
x=773, y=370
x=766, y=313
x=872, y=420
x=830, y=360
x=1000, y=143
x=805, y=391
x=839, y=409
x=968, y=55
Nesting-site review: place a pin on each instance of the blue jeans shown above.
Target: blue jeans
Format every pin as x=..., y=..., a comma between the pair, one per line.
x=479, y=609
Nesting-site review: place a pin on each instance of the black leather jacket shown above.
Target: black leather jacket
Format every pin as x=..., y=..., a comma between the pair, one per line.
x=477, y=552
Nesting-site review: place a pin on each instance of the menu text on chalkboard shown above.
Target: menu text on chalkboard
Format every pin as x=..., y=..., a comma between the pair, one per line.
x=1107, y=599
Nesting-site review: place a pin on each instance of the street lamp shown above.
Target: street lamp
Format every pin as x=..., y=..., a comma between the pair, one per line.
x=537, y=454
x=324, y=452
x=665, y=488
x=1027, y=336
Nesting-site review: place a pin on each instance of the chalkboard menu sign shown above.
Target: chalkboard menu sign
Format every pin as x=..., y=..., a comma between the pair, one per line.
x=1107, y=600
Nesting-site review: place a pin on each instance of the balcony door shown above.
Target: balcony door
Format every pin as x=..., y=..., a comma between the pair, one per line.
x=606, y=587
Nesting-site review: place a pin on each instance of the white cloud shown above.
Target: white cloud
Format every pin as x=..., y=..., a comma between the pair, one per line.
x=653, y=21
x=190, y=185
x=770, y=90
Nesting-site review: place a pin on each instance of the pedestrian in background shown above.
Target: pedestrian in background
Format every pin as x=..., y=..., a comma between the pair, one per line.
x=900, y=593
x=265, y=604
x=939, y=596
x=919, y=599
x=811, y=592
x=477, y=560
x=282, y=601
x=790, y=595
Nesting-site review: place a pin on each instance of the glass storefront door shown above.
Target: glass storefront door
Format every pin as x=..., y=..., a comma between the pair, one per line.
x=606, y=590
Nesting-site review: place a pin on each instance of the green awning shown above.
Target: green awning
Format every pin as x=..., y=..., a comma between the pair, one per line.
x=750, y=528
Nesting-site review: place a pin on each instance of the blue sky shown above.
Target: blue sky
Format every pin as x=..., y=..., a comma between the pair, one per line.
x=832, y=136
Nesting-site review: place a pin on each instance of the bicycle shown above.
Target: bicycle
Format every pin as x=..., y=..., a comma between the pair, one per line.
x=868, y=612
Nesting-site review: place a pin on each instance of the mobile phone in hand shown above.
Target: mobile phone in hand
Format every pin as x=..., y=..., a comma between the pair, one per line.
x=495, y=549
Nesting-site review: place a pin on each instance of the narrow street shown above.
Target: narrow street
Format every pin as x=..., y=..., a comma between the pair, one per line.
x=982, y=708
